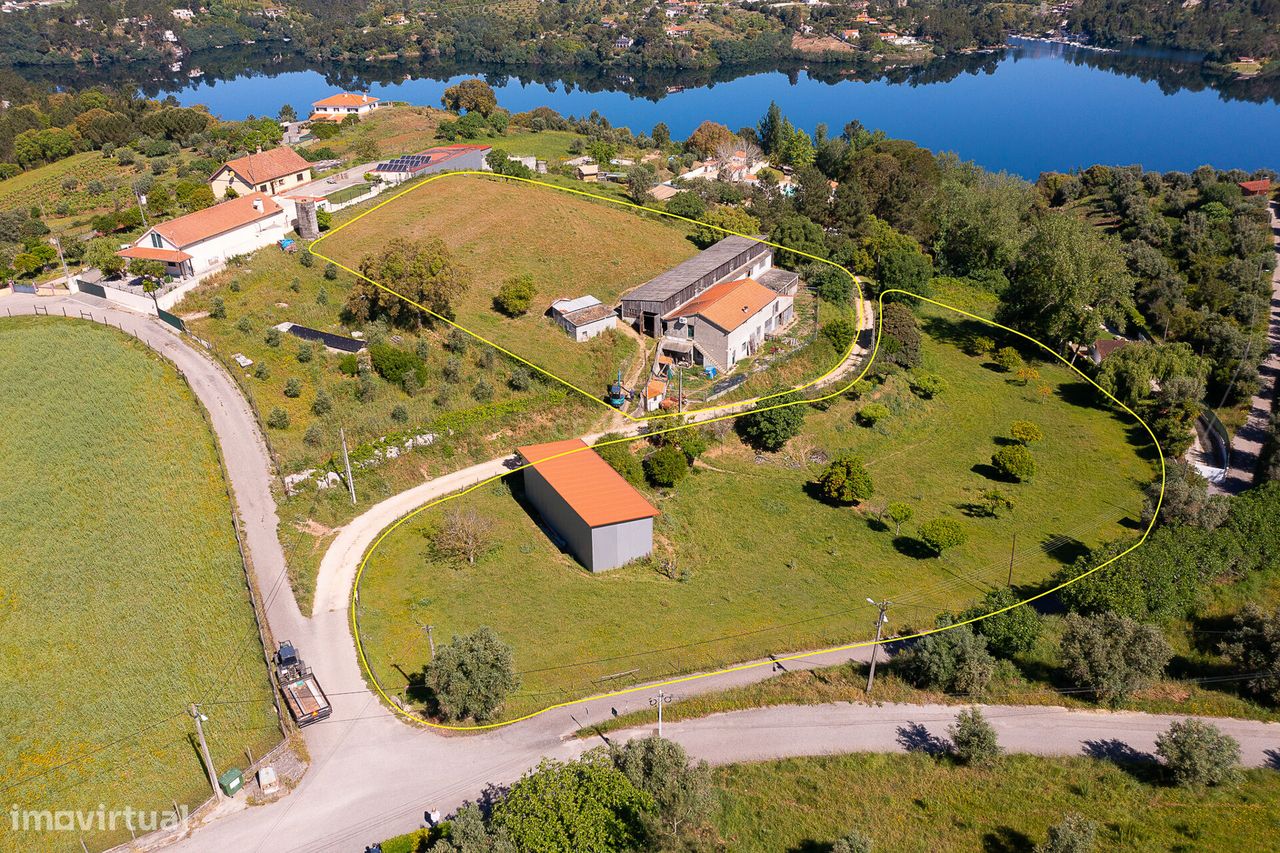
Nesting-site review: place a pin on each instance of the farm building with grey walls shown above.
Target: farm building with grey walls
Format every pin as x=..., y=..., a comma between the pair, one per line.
x=603, y=520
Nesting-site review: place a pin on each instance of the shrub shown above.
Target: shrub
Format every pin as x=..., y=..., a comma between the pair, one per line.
x=1112, y=655
x=1014, y=462
x=1025, y=432
x=1073, y=834
x=973, y=739
x=392, y=363
x=305, y=353
x=409, y=383
x=516, y=295
x=321, y=405
x=620, y=458
x=1009, y=633
x=457, y=341
x=472, y=675
x=330, y=271
x=994, y=503
x=322, y=297
x=293, y=387
x=482, y=391
x=942, y=534
x=871, y=414
x=846, y=480
x=772, y=423
x=295, y=285
x=261, y=371
x=314, y=436
x=853, y=842
x=305, y=258
x=400, y=414
x=899, y=513
x=666, y=466
x=349, y=365
x=954, y=661
x=1253, y=645
x=841, y=332
x=928, y=385
x=365, y=390
x=272, y=337
x=244, y=325
x=520, y=380
x=1199, y=754
x=453, y=369
x=1008, y=358
x=219, y=309
x=278, y=419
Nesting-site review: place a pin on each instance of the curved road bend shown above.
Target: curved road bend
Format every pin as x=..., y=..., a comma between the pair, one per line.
x=373, y=776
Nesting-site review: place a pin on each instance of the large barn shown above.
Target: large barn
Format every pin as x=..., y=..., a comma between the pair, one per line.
x=603, y=520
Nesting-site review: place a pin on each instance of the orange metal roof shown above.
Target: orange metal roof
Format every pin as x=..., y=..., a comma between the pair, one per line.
x=591, y=488
x=728, y=304
x=345, y=99
x=1262, y=185
x=149, y=253
x=268, y=165
x=219, y=219
x=655, y=388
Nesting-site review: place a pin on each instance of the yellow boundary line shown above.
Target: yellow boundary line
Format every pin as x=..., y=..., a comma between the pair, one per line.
x=355, y=596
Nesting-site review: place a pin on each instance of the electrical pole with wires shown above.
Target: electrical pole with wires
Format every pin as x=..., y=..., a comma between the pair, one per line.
x=881, y=619
x=204, y=750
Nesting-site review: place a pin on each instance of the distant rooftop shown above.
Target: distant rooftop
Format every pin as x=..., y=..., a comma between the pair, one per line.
x=676, y=279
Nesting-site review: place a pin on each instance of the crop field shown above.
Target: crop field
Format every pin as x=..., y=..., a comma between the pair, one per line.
x=571, y=246
x=754, y=564
x=915, y=803
x=122, y=596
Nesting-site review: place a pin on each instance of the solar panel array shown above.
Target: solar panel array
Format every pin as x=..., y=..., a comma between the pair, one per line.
x=407, y=163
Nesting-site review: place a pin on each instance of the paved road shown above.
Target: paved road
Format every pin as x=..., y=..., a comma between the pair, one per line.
x=372, y=775
x=1247, y=444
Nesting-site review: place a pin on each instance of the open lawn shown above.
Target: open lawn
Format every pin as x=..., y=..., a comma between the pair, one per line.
x=767, y=567
x=571, y=246
x=916, y=803
x=122, y=595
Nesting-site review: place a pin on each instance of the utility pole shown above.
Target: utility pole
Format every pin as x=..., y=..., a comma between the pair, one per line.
x=680, y=393
x=663, y=698
x=142, y=201
x=66, y=276
x=431, y=641
x=346, y=463
x=881, y=619
x=204, y=749
x=1012, y=549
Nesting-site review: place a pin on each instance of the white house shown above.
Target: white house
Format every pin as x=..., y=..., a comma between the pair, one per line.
x=583, y=318
x=200, y=241
x=272, y=172
x=337, y=107
x=727, y=322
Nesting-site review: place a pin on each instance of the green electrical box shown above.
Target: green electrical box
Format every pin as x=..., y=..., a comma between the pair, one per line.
x=231, y=781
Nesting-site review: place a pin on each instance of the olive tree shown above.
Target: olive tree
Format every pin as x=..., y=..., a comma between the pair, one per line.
x=472, y=675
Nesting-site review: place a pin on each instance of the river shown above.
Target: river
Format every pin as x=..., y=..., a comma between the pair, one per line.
x=1031, y=108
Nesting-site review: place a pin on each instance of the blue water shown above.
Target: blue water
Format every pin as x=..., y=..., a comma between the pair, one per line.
x=1037, y=111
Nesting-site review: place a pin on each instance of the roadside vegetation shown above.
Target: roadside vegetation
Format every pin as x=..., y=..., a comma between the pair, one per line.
x=122, y=594
x=691, y=606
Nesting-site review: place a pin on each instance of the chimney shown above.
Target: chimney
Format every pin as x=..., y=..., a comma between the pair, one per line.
x=257, y=204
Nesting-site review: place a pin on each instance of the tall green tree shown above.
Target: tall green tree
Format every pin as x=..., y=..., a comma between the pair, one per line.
x=472, y=675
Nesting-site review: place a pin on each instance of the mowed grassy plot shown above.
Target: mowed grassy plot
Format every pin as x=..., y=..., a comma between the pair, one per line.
x=914, y=803
x=571, y=246
x=767, y=567
x=122, y=597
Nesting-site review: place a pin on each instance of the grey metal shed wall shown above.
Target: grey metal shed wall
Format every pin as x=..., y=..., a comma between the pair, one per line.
x=556, y=512
x=618, y=544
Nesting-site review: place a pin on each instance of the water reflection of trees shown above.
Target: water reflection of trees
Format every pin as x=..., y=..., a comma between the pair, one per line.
x=1171, y=73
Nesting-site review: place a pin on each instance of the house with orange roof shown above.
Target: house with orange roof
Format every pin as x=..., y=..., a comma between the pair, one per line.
x=200, y=242
x=727, y=322
x=602, y=519
x=272, y=172
x=1262, y=186
x=339, y=106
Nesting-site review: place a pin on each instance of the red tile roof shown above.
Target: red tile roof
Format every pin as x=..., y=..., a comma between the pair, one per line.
x=728, y=304
x=150, y=253
x=268, y=165
x=1259, y=187
x=591, y=488
x=219, y=219
x=345, y=99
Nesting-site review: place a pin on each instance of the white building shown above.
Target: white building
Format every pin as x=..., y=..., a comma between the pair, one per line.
x=201, y=241
x=727, y=322
x=272, y=172
x=583, y=318
x=337, y=107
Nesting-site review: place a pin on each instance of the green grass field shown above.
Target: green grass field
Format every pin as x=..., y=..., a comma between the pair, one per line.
x=122, y=595
x=772, y=569
x=571, y=246
x=915, y=803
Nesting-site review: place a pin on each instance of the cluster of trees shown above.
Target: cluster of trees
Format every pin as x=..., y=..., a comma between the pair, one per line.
x=668, y=459
x=1222, y=30
x=644, y=794
x=421, y=274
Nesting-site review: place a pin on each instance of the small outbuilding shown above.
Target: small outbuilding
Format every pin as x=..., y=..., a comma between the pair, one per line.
x=583, y=318
x=604, y=521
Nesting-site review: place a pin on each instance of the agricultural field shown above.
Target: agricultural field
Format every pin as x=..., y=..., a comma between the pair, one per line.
x=917, y=803
x=571, y=246
x=747, y=562
x=122, y=595
x=468, y=396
